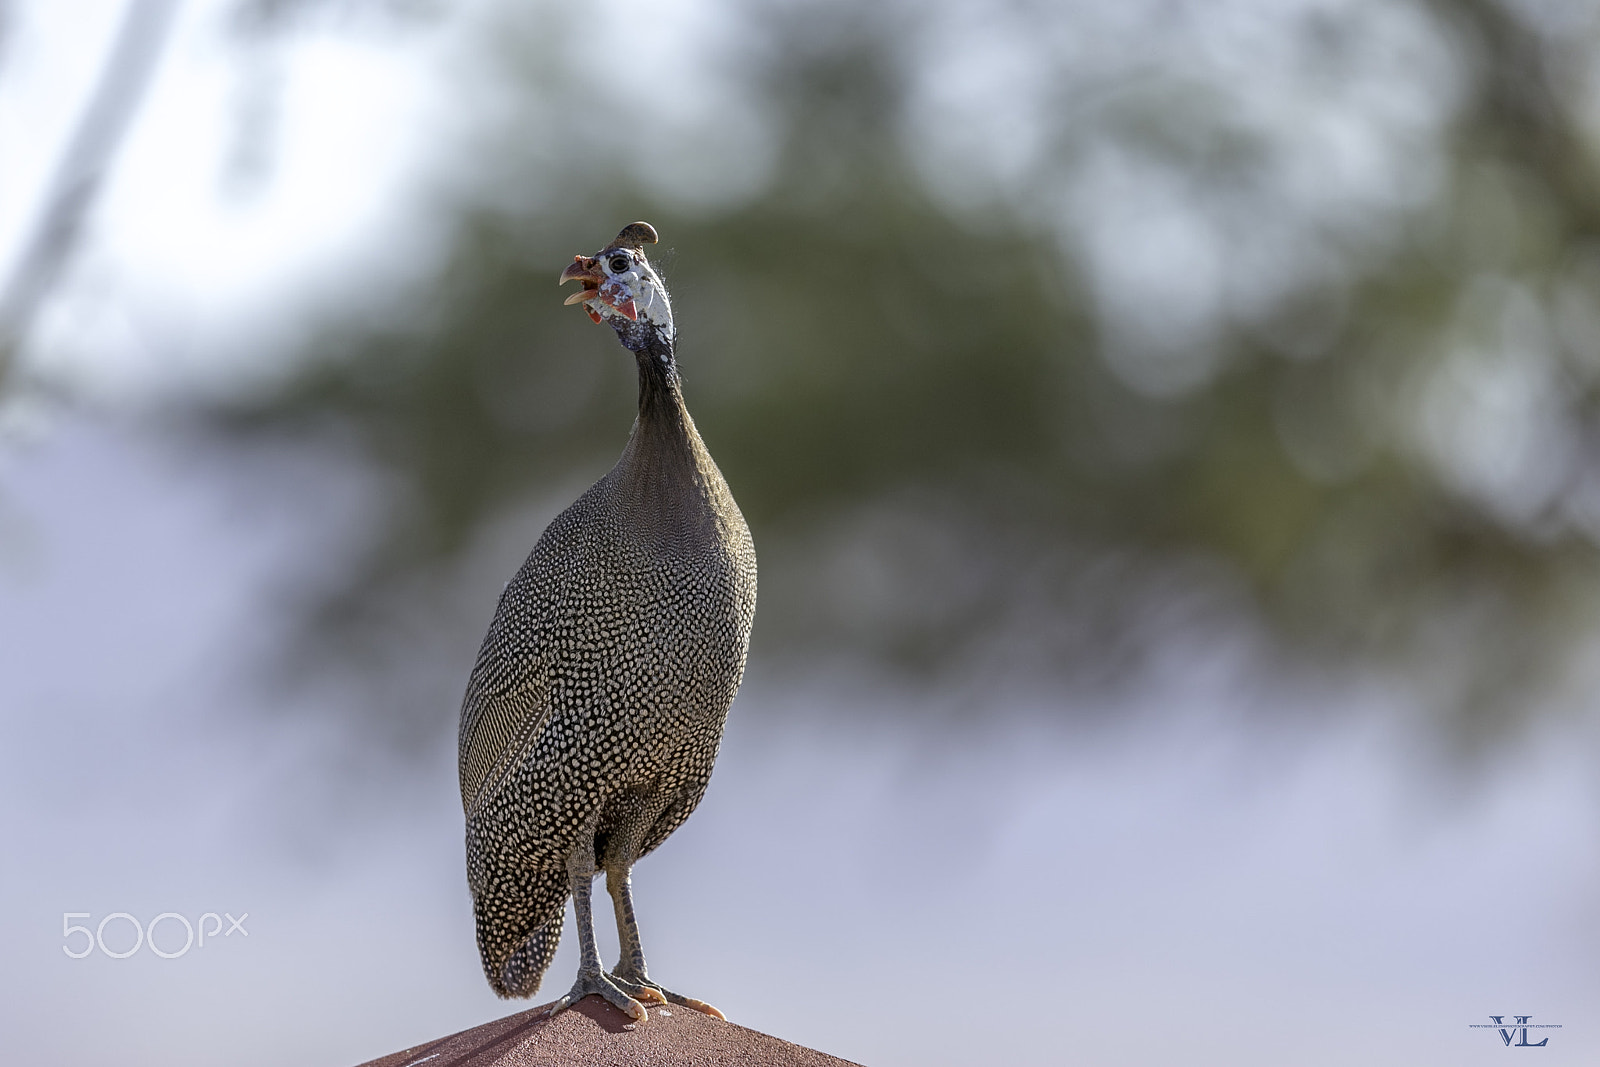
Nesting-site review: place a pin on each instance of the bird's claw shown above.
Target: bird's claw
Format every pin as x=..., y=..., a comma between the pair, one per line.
x=604, y=985
x=643, y=987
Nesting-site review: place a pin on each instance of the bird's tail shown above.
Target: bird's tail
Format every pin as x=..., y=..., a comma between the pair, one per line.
x=522, y=971
x=519, y=927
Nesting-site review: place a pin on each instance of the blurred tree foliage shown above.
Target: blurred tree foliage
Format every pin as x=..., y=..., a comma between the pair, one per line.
x=957, y=423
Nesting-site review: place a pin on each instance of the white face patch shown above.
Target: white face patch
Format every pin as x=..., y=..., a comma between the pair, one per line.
x=650, y=302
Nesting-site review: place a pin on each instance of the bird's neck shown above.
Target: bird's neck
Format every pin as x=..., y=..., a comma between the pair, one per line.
x=660, y=389
x=664, y=444
x=665, y=474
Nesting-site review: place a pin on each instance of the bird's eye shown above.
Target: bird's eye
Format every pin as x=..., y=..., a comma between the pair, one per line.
x=619, y=264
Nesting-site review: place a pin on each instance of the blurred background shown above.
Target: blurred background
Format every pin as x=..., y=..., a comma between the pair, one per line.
x=1168, y=432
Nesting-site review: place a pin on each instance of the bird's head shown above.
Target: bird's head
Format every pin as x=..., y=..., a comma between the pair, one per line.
x=622, y=288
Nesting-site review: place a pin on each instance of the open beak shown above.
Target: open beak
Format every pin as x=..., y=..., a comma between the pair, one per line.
x=587, y=271
x=596, y=286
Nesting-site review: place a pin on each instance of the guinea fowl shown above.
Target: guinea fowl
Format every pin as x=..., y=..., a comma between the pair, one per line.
x=595, y=707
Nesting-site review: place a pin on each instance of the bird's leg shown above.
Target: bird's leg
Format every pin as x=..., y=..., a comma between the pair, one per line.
x=630, y=971
x=630, y=964
x=591, y=979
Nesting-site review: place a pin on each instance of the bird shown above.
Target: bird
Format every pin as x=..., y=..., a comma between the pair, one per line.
x=595, y=708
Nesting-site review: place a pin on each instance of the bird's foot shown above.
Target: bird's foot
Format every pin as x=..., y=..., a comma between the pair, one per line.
x=617, y=993
x=642, y=986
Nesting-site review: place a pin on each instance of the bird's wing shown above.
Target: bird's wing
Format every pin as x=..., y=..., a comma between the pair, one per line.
x=507, y=703
x=509, y=696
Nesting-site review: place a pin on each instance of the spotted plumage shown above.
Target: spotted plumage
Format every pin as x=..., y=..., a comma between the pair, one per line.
x=595, y=709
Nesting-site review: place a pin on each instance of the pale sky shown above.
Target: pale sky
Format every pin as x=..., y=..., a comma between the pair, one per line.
x=1181, y=874
x=183, y=255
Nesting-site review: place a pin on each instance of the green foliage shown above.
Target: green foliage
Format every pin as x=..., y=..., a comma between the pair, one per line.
x=853, y=345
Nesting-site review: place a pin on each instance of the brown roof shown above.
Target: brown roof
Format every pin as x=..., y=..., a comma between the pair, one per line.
x=595, y=1033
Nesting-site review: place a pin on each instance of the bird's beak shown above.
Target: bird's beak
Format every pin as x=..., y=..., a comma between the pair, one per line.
x=586, y=270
